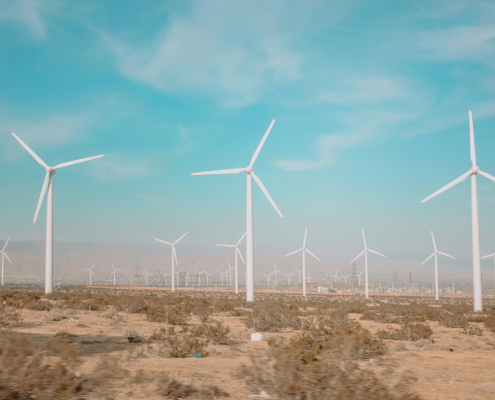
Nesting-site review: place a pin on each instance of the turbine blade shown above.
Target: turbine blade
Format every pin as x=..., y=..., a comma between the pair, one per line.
x=360, y=254
x=364, y=239
x=240, y=255
x=35, y=156
x=241, y=239
x=489, y=255
x=163, y=241
x=444, y=254
x=263, y=189
x=42, y=195
x=312, y=255
x=76, y=161
x=257, y=152
x=177, y=241
x=486, y=175
x=428, y=258
x=294, y=252
x=453, y=183
x=7, y=257
x=5, y=244
x=373, y=251
x=304, y=241
x=226, y=245
x=221, y=172
x=471, y=139
x=434, y=244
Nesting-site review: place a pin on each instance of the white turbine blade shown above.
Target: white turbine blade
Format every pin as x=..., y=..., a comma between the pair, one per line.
x=294, y=252
x=434, y=244
x=373, y=251
x=226, y=245
x=7, y=257
x=489, y=255
x=92, y=266
x=42, y=195
x=221, y=172
x=471, y=139
x=360, y=254
x=453, y=183
x=304, y=241
x=444, y=254
x=177, y=241
x=241, y=239
x=35, y=156
x=312, y=255
x=240, y=255
x=163, y=241
x=5, y=244
x=257, y=152
x=263, y=189
x=486, y=175
x=428, y=258
x=175, y=255
x=364, y=239
x=66, y=164
x=113, y=267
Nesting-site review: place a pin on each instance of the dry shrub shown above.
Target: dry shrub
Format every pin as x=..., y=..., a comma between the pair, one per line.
x=203, y=311
x=320, y=363
x=181, y=344
x=473, y=330
x=9, y=317
x=489, y=324
x=223, y=305
x=111, y=313
x=273, y=316
x=216, y=333
x=173, y=315
x=171, y=388
x=408, y=331
x=37, y=305
x=453, y=320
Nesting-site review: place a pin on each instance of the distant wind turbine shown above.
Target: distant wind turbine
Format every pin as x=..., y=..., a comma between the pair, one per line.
x=249, y=211
x=472, y=172
x=336, y=276
x=304, y=250
x=48, y=183
x=436, y=264
x=174, y=257
x=359, y=277
x=345, y=278
x=298, y=275
x=113, y=273
x=288, y=276
x=4, y=254
x=90, y=273
x=146, y=277
x=365, y=252
x=236, y=251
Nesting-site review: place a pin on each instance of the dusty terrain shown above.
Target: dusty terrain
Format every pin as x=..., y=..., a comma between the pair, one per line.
x=116, y=341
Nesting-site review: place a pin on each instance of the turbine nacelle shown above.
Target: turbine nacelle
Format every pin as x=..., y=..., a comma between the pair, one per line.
x=474, y=170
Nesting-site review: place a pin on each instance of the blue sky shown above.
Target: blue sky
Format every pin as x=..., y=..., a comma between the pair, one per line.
x=371, y=104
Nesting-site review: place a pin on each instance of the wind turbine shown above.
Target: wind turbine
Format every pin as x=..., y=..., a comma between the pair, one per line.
x=345, y=278
x=359, y=277
x=472, y=172
x=113, y=273
x=298, y=275
x=275, y=272
x=288, y=276
x=4, y=254
x=304, y=250
x=236, y=251
x=365, y=252
x=335, y=276
x=489, y=255
x=146, y=276
x=268, y=276
x=174, y=257
x=436, y=266
x=207, y=274
x=48, y=183
x=249, y=211
x=90, y=273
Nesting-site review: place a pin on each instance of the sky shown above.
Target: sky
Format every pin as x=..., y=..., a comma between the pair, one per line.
x=370, y=99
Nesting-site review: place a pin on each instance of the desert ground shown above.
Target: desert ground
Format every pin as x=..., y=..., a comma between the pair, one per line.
x=102, y=343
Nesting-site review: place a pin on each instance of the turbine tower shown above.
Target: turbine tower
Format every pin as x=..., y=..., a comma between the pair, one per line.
x=113, y=273
x=304, y=250
x=436, y=265
x=472, y=172
x=174, y=257
x=489, y=255
x=48, y=183
x=4, y=254
x=146, y=277
x=249, y=211
x=90, y=273
x=365, y=252
x=236, y=251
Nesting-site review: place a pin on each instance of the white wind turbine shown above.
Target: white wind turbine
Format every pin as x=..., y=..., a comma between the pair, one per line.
x=436, y=264
x=236, y=251
x=365, y=252
x=146, y=276
x=336, y=276
x=298, y=275
x=345, y=278
x=4, y=254
x=174, y=257
x=268, y=276
x=489, y=255
x=91, y=274
x=113, y=273
x=472, y=172
x=275, y=274
x=304, y=250
x=288, y=276
x=48, y=183
x=359, y=277
x=249, y=211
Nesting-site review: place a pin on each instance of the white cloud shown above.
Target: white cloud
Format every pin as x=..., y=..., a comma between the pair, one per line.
x=119, y=167
x=27, y=13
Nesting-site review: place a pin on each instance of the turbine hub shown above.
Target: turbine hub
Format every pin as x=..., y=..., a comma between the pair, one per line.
x=249, y=170
x=50, y=170
x=475, y=170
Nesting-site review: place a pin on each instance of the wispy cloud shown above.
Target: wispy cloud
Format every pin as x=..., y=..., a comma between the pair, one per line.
x=27, y=13
x=119, y=167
